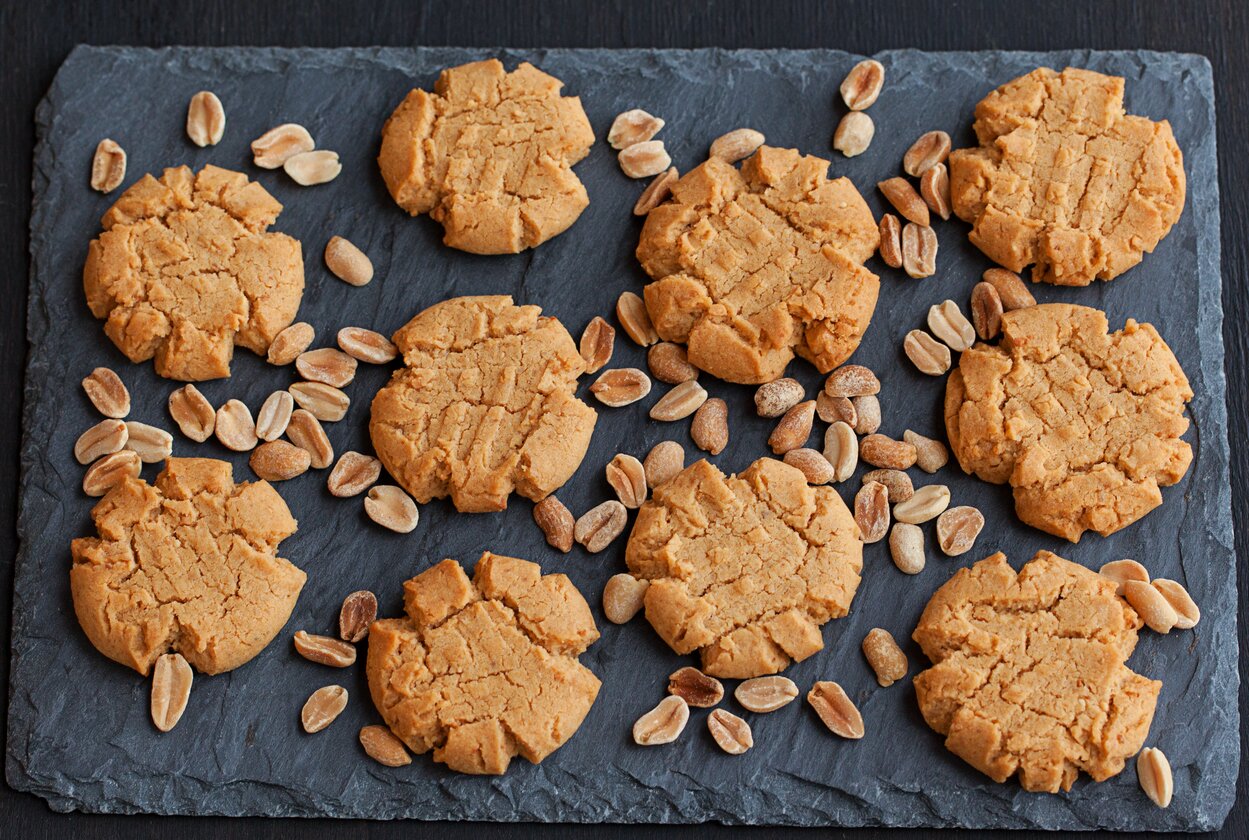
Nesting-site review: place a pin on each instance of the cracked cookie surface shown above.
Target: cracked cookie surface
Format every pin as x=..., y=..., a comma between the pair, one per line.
x=746, y=568
x=1065, y=180
x=489, y=155
x=185, y=269
x=1084, y=424
x=484, y=406
x=1029, y=672
x=752, y=265
x=188, y=564
x=485, y=669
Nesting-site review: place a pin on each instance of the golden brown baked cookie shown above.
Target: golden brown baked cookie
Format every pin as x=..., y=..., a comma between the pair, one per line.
x=1063, y=179
x=1086, y=425
x=746, y=568
x=189, y=565
x=486, y=669
x=185, y=270
x=751, y=266
x=485, y=405
x=489, y=155
x=1029, y=674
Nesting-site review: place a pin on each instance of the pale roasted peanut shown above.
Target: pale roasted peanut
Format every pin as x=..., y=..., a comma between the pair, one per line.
x=881, y=451
x=866, y=414
x=851, y=381
x=765, y=694
x=656, y=192
x=307, y=433
x=153, y=445
x=680, y=402
x=109, y=471
x=272, y=149
x=1186, y=610
x=926, y=353
x=710, y=426
x=930, y=455
x=645, y=159
x=171, y=689
x=986, y=310
x=324, y=402
x=948, y=323
x=277, y=460
x=359, y=610
x=957, y=529
x=621, y=386
x=1151, y=605
x=813, y=465
x=891, y=240
x=736, y=145
x=1153, y=771
x=871, y=511
x=390, y=507
x=919, y=251
x=934, y=187
x=662, y=724
x=854, y=134
x=862, y=84
x=108, y=166
x=311, y=168
x=841, y=449
x=896, y=482
x=836, y=709
x=275, y=415
x=630, y=127
x=290, y=342
x=382, y=746
x=730, y=732
x=636, y=321
x=793, y=429
x=834, y=409
x=1122, y=571
x=366, y=345
x=1011, y=290
x=664, y=461
x=899, y=192
x=695, y=688
x=883, y=654
x=623, y=597
x=597, y=343
x=669, y=363
x=205, y=119
x=324, y=650
x=353, y=474
x=107, y=393
x=600, y=525
x=347, y=262
x=327, y=365
x=104, y=438
x=772, y=399
x=931, y=149
x=323, y=707
x=627, y=477
x=906, y=546
x=929, y=502
x=556, y=523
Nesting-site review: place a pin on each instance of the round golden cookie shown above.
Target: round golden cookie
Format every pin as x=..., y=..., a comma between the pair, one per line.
x=188, y=564
x=1085, y=424
x=1029, y=672
x=484, y=406
x=489, y=155
x=1065, y=180
x=185, y=270
x=484, y=669
x=745, y=568
x=753, y=265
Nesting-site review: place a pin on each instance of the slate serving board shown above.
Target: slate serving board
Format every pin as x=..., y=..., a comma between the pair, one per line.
x=80, y=734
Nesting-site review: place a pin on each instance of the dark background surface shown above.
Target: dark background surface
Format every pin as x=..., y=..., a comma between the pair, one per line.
x=37, y=37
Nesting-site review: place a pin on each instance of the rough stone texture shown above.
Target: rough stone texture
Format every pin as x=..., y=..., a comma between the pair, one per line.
x=79, y=730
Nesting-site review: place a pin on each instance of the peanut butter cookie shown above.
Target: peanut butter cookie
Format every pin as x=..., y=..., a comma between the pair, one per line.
x=185, y=269
x=1065, y=180
x=489, y=155
x=188, y=564
x=1029, y=674
x=484, y=669
x=485, y=405
x=751, y=266
x=1086, y=425
x=746, y=568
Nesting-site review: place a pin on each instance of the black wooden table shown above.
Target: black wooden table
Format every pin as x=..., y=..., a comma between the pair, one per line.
x=36, y=37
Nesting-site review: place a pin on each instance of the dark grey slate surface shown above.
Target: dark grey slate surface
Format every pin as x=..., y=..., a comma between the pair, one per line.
x=79, y=731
